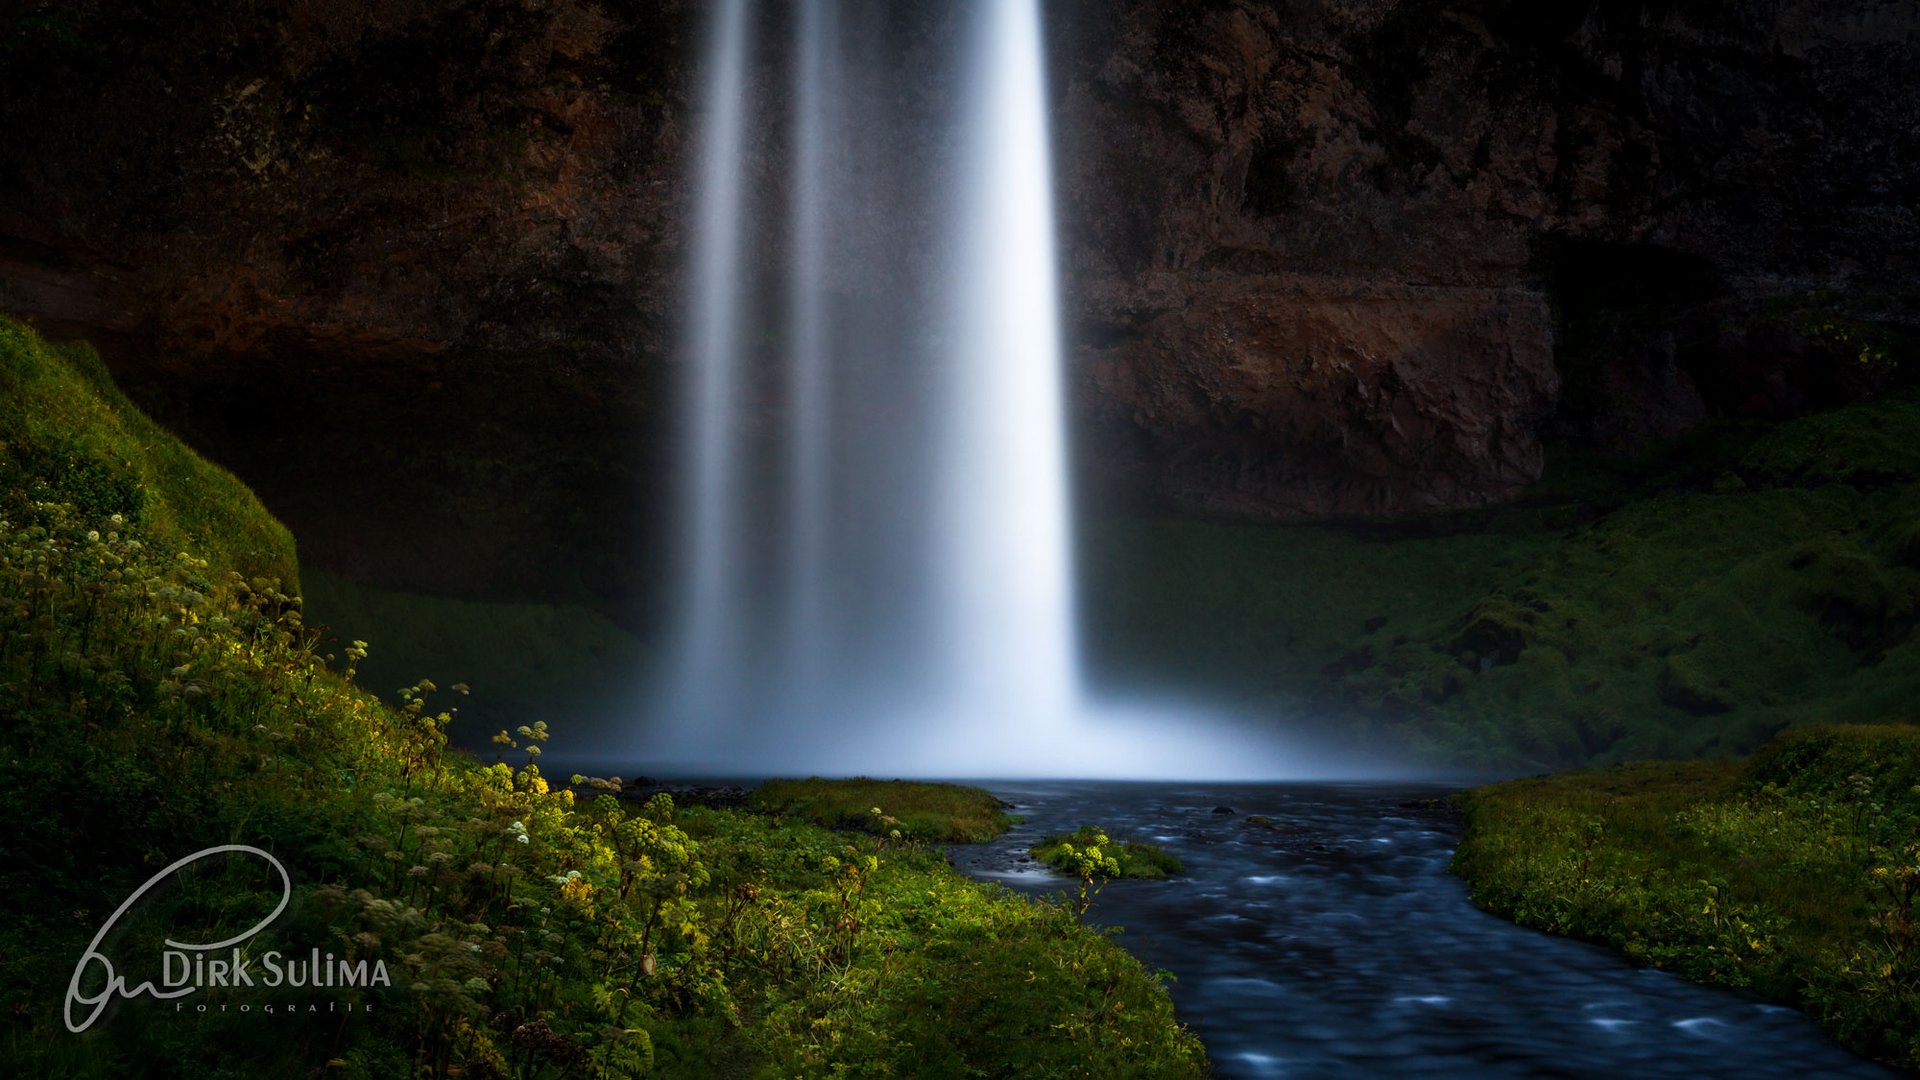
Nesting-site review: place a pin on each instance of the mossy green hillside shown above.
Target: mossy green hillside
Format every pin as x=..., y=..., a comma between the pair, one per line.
x=1794, y=873
x=68, y=435
x=153, y=704
x=1695, y=602
x=1131, y=858
x=921, y=811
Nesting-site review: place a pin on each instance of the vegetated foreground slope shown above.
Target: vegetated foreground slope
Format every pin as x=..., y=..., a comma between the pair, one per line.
x=159, y=696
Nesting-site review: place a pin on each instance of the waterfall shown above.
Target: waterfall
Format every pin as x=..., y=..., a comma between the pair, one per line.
x=876, y=555
x=1007, y=619
x=809, y=384
x=713, y=551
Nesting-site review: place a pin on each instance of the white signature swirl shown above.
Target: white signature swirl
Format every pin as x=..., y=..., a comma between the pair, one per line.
x=116, y=985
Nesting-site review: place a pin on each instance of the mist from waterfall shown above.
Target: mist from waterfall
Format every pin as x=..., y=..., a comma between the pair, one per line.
x=876, y=545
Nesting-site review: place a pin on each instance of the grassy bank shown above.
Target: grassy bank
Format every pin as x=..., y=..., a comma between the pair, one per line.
x=1794, y=873
x=928, y=813
x=1695, y=602
x=159, y=697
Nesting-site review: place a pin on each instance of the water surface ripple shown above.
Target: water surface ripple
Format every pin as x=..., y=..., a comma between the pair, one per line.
x=1337, y=945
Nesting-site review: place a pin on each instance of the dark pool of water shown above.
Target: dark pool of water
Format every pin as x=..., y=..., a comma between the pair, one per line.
x=1341, y=947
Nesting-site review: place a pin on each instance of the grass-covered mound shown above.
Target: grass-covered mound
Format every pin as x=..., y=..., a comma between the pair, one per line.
x=68, y=435
x=1794, y=873
x=155, y=702
x=1693, y=603
x=1131, y=858
x=921, y=811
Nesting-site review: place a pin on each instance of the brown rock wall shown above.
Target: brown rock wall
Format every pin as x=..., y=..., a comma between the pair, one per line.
x=1320, y=257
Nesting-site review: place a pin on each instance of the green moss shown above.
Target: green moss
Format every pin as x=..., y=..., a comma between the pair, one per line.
x=1649, y=609
x=1866, y=444
x=1793, y=873
x=931, y=813
x=70, y=436
x=1136, y=859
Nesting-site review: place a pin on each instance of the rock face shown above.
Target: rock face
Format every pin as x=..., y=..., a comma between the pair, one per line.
x=1327, y=257
x=1268, y=397
x=408, y=268
x=412, y=268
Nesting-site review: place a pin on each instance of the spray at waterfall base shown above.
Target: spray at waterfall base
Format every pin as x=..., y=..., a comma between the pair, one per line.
x=886, y=583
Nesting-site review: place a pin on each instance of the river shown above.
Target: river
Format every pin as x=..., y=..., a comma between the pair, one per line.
x=1337, y=945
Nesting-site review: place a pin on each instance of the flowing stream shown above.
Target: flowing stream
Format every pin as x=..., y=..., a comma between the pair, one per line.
x=1337, y=945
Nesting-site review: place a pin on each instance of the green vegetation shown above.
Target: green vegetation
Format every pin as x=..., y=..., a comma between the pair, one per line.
x=1794, y=873
x=1696, y=602
x=1129, y=858
x=919, y=811
x=1090, y=855
x=155, y=701
x=68, y=435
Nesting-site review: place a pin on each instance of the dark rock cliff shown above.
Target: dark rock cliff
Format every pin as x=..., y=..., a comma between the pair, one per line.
x=1330, y=257
x=411, y=268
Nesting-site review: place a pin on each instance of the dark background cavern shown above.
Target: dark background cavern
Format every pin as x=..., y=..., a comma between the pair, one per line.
x=413, y=271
